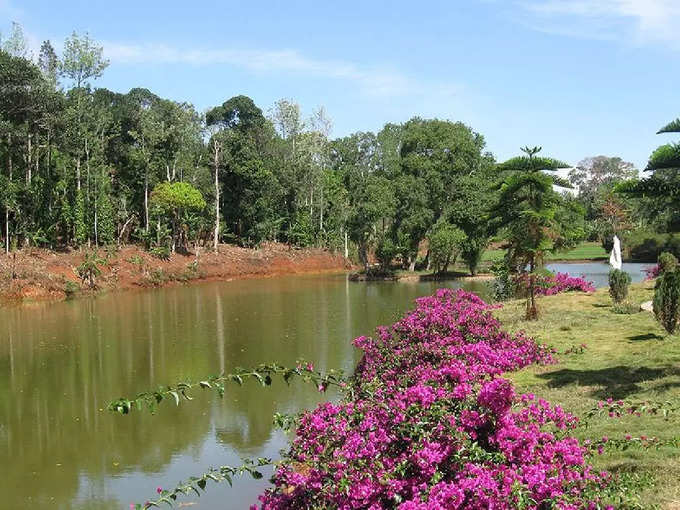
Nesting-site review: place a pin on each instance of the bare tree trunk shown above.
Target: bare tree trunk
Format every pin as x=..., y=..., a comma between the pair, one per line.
x=11, y=171
x=346, y=246
x=78, y=173
x=87, y=166
x=146, y=200
x=122, y=230
x=29, y=167
x=321, y=211
x=96, y=234
x=216, y=154
x=7, y=230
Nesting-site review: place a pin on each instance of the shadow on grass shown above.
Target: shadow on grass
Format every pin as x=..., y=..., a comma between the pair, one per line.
x=648, y=336
x=601, y=305
x=615, y=382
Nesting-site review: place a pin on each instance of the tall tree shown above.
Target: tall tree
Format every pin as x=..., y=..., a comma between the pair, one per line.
x=48, y=62
x=253, y=202
x=15, y=44
x=532, y=216
x=662, y=187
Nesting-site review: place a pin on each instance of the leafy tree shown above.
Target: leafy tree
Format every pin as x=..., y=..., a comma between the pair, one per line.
x=82, y=60
x=89, y=269
x=445, y=243
x=105, y=229
x=48, y=62
x=667, y=300
x=531, y=216
x=253, y=193
x=662, y=187
x=370, y=196
x=176, y=198
x=15, y=44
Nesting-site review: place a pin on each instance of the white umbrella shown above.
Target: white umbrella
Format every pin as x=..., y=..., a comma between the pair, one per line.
x=615, y=257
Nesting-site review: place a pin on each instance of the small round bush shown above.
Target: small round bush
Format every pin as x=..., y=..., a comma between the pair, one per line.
x=618, y=285
x=667, y=300
x=667, y=262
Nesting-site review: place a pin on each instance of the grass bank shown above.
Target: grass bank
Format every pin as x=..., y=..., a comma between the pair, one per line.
x=627, y=357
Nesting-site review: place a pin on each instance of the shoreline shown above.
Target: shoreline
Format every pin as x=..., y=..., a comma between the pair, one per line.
x=47, y=276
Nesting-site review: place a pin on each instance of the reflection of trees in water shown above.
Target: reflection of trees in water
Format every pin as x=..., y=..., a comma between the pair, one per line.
x=52, y=400
x=60, y=364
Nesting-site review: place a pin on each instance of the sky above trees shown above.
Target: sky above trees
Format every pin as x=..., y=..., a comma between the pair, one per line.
x=580, y=77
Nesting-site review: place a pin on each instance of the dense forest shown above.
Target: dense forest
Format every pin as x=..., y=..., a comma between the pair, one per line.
x=86, y=166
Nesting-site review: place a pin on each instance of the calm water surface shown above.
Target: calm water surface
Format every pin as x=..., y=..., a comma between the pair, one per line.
x=598, y=272
x=61, y=363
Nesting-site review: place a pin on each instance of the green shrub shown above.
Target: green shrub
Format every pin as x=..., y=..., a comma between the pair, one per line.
x=471, y=251
x=71, y=288
x=137, y=260
x=618, y=285
x=160, y=252
x=503, y=285
x=444, y=242
x=667, y=300
x=385, y=253
x=625, y=308
x=667, y=262
x=89, y=270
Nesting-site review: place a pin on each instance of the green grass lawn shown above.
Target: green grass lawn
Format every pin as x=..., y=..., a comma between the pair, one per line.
x=584, y=251
x=627, y=357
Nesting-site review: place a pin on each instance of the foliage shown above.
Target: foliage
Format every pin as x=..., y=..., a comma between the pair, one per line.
x=471, y=251
x=667, y=300
x=667, y=262
x=663, y=183
x=503, y=285
x=431, y=423
x=533, y=217
x=619, y=281
x=89, y=269
x=160, y=252
x=385, y=253
x=177, y=196
x=71, y=289
x=645, y=246
x=220, y=474
x=445, y=242
x=263, y=374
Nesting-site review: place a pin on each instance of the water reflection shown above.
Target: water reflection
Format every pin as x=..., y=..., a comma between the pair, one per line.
x=598, y=272
x=61, y=363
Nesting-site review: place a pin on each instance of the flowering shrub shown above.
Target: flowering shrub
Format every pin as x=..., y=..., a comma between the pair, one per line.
x=556, y=284
x=652, y=272
x=428, y=423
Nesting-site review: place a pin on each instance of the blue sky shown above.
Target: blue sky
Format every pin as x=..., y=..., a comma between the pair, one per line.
x=579, y=77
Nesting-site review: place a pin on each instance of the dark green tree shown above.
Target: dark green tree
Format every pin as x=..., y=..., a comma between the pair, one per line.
x=531, y=216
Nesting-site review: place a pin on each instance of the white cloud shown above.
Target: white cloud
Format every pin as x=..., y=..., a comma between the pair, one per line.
x=372, y=81
x=639, y=21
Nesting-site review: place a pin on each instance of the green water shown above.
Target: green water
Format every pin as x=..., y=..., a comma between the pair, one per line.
x=60, y=364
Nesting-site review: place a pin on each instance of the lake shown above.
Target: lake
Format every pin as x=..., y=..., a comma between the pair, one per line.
x=61, y=363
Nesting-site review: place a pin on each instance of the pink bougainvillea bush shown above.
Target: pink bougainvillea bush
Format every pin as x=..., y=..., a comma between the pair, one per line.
x=556, y=284
x=429, y=423
x=652, y=272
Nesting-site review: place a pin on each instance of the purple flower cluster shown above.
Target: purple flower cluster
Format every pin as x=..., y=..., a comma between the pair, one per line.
x=652, y=272
x=561, y=282
x=428, y=423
